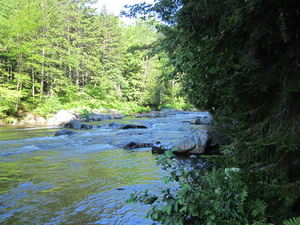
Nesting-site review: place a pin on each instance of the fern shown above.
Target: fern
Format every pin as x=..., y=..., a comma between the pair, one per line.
x=292, y=221
x=258, y=208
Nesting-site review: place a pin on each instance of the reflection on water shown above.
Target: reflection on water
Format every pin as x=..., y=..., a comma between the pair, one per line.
x=80, y=179
x=61, y=187
x=11, y=133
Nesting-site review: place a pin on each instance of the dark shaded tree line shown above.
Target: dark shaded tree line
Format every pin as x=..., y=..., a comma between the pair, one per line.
x=240, y=60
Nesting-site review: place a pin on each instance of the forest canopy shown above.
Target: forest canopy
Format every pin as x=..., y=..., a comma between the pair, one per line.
x=65, y=54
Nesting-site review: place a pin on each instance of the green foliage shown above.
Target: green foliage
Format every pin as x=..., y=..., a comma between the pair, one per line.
x=219, y=196
x=9, y=100
x=292, y=221
x=127, y=108
x=177, y=104
x=10, y=120
x=2, y=110
x=49, y=106
x=240, y=61
x=85, y=113
x=85, y=106
x=66, y=50
x=143, y=197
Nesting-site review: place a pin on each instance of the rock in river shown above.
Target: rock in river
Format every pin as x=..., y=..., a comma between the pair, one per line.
x=133, y=126
x=77, y=125
x=126, y=126
x=64, y=132
x=133, y=145
x=195, y=144
x=203, y=120
x=62, y=117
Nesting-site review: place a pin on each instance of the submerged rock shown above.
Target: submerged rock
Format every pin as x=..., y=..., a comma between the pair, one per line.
x=114, y=125
x=64, y=132
x=133, y=126
x=77, y=125
x=133, y=145
x=126, y=126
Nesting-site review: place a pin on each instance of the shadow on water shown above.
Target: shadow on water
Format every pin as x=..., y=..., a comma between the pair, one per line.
x=84, y=178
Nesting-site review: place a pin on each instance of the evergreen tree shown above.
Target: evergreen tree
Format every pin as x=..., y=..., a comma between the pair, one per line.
x=112, y=51
x=63, y=51
x=138, y=69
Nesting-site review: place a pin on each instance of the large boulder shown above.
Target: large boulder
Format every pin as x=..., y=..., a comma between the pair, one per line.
x=195, y=144
x=61, y=118
x=109, y=114
x=32, y=119
x=74, y=124
x=77, y=125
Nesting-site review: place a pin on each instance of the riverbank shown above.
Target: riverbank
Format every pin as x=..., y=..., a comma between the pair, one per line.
x=31, y=119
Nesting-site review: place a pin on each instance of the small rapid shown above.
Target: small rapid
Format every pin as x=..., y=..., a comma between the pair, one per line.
x=84, y=178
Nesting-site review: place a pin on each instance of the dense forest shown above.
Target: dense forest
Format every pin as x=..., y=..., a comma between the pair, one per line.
x=66, y=54
x=241, y=61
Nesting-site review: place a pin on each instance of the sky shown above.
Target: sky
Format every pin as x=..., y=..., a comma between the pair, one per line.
x=115, y=6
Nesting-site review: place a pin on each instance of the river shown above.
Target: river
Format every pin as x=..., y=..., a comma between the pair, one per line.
x=84, y=178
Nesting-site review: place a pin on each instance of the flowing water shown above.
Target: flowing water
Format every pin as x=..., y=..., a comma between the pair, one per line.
x=84, y=178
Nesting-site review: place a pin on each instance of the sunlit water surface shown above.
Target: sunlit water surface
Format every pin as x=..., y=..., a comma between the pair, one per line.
x=84, y=178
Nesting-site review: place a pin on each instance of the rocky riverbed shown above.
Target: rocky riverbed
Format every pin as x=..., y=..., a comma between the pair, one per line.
x=85, y=178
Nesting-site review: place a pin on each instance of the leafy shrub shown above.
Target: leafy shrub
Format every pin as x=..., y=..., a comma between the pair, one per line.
x=85, y=113
x=177, y=104
x=2, y=111
x=203, y=197
x=10, y=120
x=9, y=100
x=127, y=108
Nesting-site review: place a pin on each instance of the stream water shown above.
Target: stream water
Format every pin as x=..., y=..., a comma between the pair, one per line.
x=84, y=178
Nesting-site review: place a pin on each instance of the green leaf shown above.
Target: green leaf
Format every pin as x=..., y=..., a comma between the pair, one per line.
x=166, y=179
x=292, y=221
